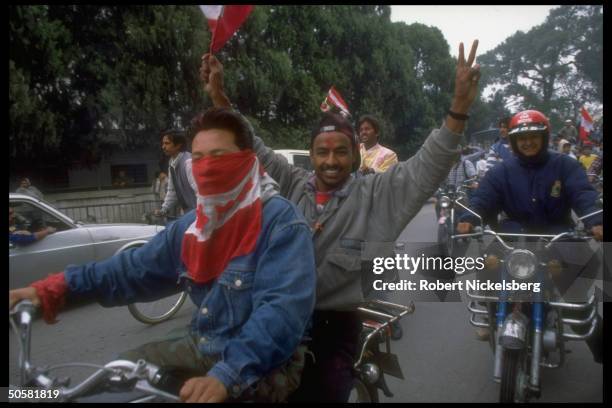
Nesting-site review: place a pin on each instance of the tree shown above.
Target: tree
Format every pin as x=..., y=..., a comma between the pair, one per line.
x=554, y=67
x=81, y=73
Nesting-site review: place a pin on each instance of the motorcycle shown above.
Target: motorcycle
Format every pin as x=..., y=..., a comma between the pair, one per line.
x=447, y=196
x=373, y=362
x=118, y=380
x=528, y=332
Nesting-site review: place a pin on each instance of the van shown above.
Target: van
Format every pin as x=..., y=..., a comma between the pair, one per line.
x=300, y=158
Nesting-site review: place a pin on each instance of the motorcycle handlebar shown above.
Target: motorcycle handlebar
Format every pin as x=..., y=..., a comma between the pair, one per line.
x=120, y=370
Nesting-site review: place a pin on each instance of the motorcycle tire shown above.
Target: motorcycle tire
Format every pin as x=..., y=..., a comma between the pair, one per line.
x=362, y=393
x=511, y=370
x=443, y=240
x=159, y=310
x=492, y=326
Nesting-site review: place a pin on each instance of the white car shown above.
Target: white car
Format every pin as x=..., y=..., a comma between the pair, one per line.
x=72, y=243
x=300, y=158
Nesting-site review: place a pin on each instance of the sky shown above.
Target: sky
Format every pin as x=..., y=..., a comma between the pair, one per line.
x=491, y=25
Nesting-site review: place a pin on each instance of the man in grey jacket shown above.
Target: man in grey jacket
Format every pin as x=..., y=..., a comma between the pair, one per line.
x=181, y=184
x=345, y=213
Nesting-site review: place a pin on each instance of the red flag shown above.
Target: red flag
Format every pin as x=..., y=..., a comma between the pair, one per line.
x=586, y=124
x=223, y=22
x=332, y=99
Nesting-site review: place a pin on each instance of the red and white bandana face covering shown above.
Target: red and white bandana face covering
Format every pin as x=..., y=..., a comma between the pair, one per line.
x=231, y=192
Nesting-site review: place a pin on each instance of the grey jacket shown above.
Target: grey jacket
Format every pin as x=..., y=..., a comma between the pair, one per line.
x=181, y=184
x=370, y=209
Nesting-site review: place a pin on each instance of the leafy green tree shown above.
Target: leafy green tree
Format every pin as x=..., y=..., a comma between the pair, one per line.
x=79, y=73
x=555, y=67
x=87, y=80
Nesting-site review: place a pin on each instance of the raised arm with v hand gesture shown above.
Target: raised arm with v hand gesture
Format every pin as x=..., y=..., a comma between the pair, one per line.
x=466, y=88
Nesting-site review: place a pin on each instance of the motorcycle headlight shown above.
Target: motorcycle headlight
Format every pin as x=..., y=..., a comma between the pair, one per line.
x=522, y=264
x=445, y=202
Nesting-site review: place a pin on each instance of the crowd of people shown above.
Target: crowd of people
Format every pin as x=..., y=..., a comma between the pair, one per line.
x=270, y=253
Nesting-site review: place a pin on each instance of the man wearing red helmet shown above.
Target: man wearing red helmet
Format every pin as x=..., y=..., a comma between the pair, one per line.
x=522, y=186
x=537, y=189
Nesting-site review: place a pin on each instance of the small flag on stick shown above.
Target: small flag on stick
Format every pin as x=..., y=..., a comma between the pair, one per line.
x=223, y=22
x=586, y=124
x=334, y=99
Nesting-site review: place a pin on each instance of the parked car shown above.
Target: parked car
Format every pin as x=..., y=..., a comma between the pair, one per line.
x=300, y=158
x=73, y=243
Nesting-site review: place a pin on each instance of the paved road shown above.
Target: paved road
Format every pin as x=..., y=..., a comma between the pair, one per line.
x=441, y=360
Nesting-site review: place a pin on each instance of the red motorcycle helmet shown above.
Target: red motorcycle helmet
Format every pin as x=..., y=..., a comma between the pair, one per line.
x=529, y=121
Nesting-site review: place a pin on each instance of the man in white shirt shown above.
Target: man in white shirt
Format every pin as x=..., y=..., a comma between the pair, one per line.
x=182, y=187
x=481, y=166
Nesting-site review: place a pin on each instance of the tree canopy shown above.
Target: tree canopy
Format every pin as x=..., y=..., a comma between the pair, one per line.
x=87, y=80
x=556, y=67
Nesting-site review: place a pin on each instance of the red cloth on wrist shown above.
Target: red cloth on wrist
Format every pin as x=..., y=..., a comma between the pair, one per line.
x=52, y=293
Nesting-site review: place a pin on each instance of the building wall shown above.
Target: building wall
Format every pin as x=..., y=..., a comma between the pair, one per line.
x=102, y=175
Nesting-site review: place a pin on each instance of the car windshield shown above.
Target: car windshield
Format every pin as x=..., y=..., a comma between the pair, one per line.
x=302, y=161
x=31, y=217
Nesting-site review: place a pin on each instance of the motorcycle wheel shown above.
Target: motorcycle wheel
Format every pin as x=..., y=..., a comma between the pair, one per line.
x=361, y=393
x=159, y=310
x=512, y=375
x=443, y=240
x=492, y=326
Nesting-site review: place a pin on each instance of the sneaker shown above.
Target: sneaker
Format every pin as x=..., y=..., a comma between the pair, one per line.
x=482, y=334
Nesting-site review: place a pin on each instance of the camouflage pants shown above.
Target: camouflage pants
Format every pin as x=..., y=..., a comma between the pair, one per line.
x=178, y=349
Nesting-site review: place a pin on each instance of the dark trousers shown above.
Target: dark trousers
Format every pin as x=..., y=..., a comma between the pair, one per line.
x=335, y=340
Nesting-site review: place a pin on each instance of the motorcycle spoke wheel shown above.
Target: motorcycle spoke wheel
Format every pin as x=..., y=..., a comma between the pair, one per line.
x=443, y=240
x=159, y=310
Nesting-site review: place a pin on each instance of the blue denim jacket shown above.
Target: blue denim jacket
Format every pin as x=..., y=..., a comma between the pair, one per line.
x=253, y=316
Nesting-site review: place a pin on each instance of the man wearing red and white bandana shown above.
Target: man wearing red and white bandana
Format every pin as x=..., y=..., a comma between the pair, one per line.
x=245, y=256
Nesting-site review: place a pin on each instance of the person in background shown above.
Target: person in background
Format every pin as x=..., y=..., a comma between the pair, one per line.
x=122, y=180
x=566, y=149
x=25, y=187
x=375, y=158
x=569, y=132
x=160, y=186
x=19, y=236
x=597, y=147
x=481, y=166
x=586, y=158
x=182, y=187
x=500, y=150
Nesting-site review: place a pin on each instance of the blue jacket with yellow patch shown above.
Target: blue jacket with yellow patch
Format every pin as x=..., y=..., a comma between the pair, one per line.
x=538, y=196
